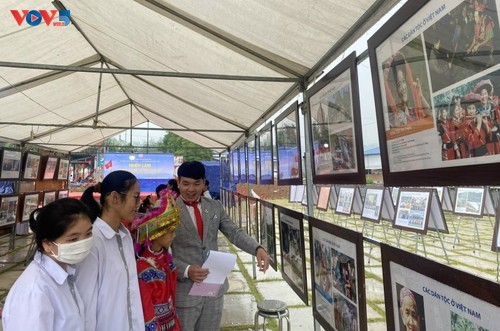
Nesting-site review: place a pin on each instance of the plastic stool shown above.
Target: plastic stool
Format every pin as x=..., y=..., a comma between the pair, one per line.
x=272, y=309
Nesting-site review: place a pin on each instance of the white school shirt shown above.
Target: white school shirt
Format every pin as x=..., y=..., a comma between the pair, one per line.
x=41, y=299
x=108, y=283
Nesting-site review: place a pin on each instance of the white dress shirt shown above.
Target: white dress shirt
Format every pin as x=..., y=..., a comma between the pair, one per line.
x=41, y=299
x=107, y=280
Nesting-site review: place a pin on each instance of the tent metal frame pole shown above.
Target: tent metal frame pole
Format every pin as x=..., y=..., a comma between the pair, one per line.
x=116, y=127
x=55, y=67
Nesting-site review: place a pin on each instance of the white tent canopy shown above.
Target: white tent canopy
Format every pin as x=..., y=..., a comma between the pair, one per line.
x=212, y=71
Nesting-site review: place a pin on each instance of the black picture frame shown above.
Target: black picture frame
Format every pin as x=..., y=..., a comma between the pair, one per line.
x=50, y=167
x=337, y=276
x=243, y=163
x=48, y=197
x=253, y=216
x=345, y=200
x=323, y=197
x=235, y=165
x=11, y=164
x=288, y=151
x=469, y=201
x=373, y=202
x=266, y=151
x=413, y=208
x=443, y=79
x=62, y=194
x=293, y=268
x=9, y=209
x=440, y=295
x=31, y=168
x=251, y=143
x=63, y=169
x=267, y=236
x=495, y=243
x=335, y=126
x=30, y=202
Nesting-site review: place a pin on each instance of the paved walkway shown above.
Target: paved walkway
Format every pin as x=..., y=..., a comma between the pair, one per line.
x=466, y=251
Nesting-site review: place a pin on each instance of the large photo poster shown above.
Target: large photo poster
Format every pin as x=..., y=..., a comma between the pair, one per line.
x=265, y=163
x=267, y=231
x=420, y=295
x=8, y=209
x=337, y=276
x=470, y=201
x=413, y=207
x=11, y=164
x=435, y=69
x=345, y=201
x=334, y=119
x=252, y=160
x=372, y=207
x=293, y=261
x=288, y=146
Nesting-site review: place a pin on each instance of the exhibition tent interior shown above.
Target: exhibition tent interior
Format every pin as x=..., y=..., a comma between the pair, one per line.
x=210, y=71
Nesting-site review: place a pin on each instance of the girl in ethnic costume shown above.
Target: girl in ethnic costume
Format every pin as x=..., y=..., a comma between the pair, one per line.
x=154, y=233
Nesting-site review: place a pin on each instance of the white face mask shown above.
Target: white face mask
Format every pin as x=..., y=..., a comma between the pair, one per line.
x=73, y=253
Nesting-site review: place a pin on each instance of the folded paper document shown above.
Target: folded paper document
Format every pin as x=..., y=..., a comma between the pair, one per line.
x=219, y=265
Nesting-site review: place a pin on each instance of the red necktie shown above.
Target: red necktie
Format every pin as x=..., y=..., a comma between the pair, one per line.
x=199, y=218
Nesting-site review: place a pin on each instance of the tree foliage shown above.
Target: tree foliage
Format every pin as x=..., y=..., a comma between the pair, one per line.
x=177, y=145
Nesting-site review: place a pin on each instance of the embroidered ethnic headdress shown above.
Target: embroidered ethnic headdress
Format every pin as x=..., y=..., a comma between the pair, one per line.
x=158, y=221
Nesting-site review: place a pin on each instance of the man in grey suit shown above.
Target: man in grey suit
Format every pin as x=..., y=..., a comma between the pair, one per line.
x=201, y=220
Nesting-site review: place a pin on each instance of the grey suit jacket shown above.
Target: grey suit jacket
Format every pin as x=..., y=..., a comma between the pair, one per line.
x=188, y=249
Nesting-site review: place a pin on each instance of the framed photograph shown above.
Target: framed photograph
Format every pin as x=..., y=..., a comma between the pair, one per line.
x=323, y=197
x=62, y=172
x=235, y=165
x=433, y=296
x=293, y=260
x=30, y=203
x=337, y=276
x=495, y=244
x=297, y=193
x=266, y=168
x=388, y=210
x=372, y=207
x=469, y=201
x=333, y=197
x=394, y=194
x=268, y=231
x=435, y=80
x=289, y=159
x=48, y=197
x=11, y=164
x=243, y=216
x=236, y=208
x=50, y=167
x=62, y=194
x=345, y=201
x=9, y=207
x=9, y=186
x=413, y=209
x=243, y=163
x=252, y=159
x=334, y=116
x=31, y=166
x=253, y=217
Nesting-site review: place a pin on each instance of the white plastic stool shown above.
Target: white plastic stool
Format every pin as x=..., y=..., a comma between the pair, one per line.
x=272, y=309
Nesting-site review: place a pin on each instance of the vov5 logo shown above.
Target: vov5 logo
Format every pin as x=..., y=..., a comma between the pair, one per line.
x=35, y=17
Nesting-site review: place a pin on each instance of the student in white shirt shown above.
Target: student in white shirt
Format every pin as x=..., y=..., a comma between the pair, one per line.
x=108, y=279
x=206, y=192
x=44, y=297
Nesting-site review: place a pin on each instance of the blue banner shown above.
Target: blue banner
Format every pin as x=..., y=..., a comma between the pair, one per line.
x=150, y=169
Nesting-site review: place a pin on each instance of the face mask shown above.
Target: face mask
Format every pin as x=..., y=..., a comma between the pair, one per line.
x=73, y=253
